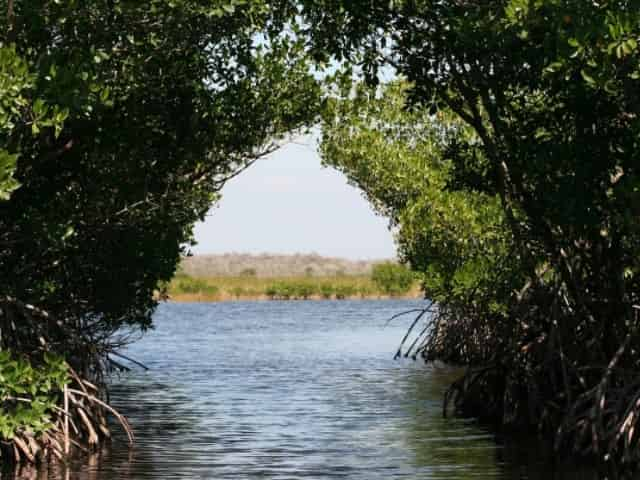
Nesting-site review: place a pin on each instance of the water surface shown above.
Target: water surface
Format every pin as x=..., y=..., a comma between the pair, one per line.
x=292, y=390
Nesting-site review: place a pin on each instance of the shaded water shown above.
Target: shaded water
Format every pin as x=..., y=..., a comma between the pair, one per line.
x=288, y=390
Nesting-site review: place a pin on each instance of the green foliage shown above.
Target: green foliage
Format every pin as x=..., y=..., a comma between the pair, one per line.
x=412, y=168
x=238, y=292
x=125, y=120
x=119, y=124
x=28, y=394
x=327, y=291
x=191, y=285
x=522, y=216
x=285, y=290
x=183, y=287
x=304, y=289
x=7, y=183
x=16, y=102
x=392, y=278
x=547, y=89
x=343, y=291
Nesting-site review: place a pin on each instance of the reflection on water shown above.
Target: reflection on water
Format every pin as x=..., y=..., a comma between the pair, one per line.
x=287, y=390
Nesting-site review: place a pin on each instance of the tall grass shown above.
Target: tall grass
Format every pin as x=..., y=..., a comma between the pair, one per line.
x=186, y=288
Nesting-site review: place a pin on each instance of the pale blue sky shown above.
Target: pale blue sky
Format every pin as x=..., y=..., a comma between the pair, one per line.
x=289, y=203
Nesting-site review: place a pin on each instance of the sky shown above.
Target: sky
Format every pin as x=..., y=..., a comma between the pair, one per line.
x=288, y=203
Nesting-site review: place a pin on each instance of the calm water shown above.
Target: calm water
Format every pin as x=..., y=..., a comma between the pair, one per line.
x=289, y=390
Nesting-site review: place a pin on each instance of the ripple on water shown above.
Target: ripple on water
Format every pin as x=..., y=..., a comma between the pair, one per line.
x=290, y=390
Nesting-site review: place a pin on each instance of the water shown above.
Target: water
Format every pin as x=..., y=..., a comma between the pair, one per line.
x=291, y=390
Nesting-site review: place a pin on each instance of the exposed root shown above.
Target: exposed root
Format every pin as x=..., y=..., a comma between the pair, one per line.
x=79, y=419
x=547, y=366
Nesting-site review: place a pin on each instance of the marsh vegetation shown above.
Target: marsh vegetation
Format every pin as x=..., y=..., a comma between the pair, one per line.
x=386, y=281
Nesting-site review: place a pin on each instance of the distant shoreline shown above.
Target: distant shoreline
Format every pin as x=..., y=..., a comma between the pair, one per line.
x=184, y=288
x=196, y=298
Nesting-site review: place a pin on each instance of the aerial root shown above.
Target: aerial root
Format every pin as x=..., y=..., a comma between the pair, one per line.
x=547, y=364
x=79, y=419
x=85, y=429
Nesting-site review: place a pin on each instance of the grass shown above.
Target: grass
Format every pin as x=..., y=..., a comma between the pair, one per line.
x=186, y=288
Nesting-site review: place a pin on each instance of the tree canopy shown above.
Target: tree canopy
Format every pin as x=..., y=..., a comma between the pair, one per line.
x=119, y=123
x=125, y=121
x=544, y=98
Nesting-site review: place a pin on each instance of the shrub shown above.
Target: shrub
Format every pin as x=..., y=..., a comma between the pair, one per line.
x=271, y=291
x=364, y=291
x=196, y=286
x=345, y=291
x=392, y=278
x=304, y=290
x=238, y=292
x=280, y=291
x=327, y=290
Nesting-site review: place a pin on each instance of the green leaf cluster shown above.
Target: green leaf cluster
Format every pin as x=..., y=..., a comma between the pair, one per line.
x=20, y=110
x=532, y=228
x=28, y=394
x=392, y=278
x=126, y=120
x=425, y=173
x=7, y=182
x=120, y=122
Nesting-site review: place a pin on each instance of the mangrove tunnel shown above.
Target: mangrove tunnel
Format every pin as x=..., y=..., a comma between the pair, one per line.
x=500, y=138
